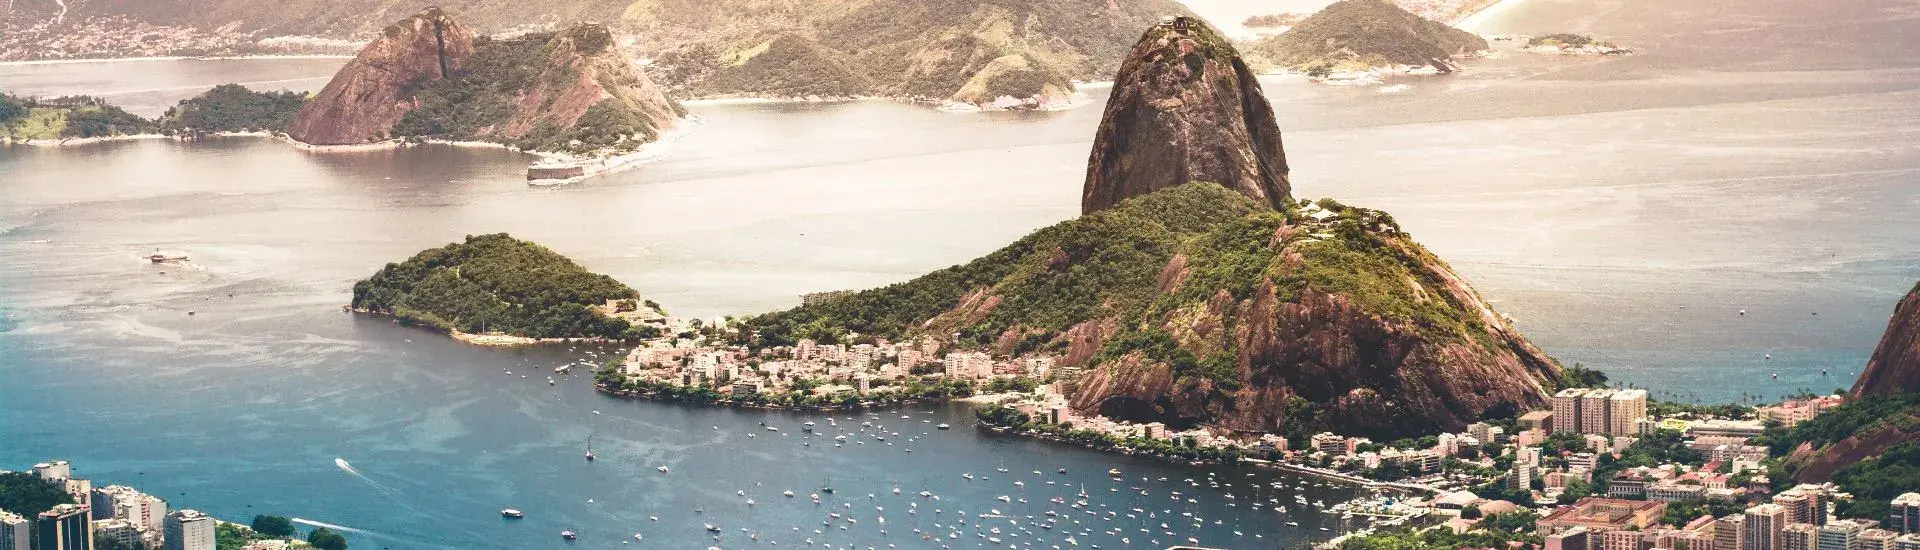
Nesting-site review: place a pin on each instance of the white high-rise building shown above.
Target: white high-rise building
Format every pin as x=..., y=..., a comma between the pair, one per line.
x=58, y=470
x=1593, y=411
x=189, y=530
x=14, y=532
x=1624, y=410
x=1566, y=410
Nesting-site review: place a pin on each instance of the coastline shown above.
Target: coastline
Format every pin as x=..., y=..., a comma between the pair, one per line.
x=168, y=58
x=487, y=340
x=1473, y=21
x=761, y=406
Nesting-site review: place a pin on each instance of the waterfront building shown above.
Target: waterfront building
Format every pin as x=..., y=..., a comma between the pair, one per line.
x=15, y=532
x=58, y=470
x=1625, y=408
x=1566, y=410
x=1795, y=411
x=1328, y=442
x=1763, y=525
x=1593, y=411
x=1906, y=513
x=65, y=527
x=189, y=530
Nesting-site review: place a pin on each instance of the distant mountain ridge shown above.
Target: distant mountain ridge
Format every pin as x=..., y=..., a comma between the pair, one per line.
x=1021, y=53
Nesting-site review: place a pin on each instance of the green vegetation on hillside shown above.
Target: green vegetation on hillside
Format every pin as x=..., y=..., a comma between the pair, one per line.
x=1874, y=479
x=26, y=494
x=487, y=93
x=1366, y=33
x=234, y=108
x=496, y=284
x=1107, y=266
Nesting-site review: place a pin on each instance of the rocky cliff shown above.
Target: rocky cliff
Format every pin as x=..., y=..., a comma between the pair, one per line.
x=1185, y=108
x=1895, y=365
x=572, y=90
x=372, y=92
x=1196, y=304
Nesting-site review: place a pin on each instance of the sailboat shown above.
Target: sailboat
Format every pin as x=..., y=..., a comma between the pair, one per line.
x=589, y=448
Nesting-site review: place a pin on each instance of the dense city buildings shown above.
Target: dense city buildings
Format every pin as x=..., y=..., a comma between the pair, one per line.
x=1599, y=411
x=189, y=530
x=65, y=527
x=1764, y=525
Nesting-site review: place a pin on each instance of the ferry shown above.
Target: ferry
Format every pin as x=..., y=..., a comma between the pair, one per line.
x=512, y=513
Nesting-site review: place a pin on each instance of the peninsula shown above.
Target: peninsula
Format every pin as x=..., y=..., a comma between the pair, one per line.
x=495, y=289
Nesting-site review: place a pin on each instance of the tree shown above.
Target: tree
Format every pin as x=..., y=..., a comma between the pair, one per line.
x=12, y=109
x=325, y=539
x=274, y=526
x=28, y=495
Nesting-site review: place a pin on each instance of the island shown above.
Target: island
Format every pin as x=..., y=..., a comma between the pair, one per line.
x=1357, y=41
x=227, y=109
x=498, y=290
x=572, y=96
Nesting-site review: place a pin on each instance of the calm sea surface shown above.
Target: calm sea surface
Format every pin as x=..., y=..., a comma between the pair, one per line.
x=1756, y=155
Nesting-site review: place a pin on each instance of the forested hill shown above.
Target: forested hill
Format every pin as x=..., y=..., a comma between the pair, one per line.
x=496, y=284
x=1367, y=33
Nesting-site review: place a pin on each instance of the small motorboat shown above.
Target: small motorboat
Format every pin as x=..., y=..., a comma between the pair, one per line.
x=944, y=427
x=568, y=535
x=512, y=513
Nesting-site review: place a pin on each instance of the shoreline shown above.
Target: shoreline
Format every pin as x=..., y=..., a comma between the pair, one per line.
x=731, y=404
x=484, y=340
x=33, y=62
x=1473, y=21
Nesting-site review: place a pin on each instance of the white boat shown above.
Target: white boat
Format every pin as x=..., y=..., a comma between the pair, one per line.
x=944, y=426
x=663, y=469
x=512, y=513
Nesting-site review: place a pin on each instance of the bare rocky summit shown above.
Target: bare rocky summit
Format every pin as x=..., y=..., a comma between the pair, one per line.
x=1185, y=108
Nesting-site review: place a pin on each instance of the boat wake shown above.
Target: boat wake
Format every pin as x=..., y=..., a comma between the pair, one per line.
x=327, y=525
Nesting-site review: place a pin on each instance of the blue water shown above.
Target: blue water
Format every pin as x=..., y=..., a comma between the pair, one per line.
x=1622, y=210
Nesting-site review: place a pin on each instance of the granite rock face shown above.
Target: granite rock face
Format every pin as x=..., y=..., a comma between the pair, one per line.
x=1895, y=364
x=371, y=93
x=1328, y=355
x=1185, y=108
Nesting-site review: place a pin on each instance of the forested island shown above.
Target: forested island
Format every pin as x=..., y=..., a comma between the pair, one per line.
x=505, y=288
x=227, y=108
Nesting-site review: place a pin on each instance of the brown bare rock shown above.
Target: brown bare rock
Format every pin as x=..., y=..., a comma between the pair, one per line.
x=1895, y=364
x=1185, y=108
x=371, y=93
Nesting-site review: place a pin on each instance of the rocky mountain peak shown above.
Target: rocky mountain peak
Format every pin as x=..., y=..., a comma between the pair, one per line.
x=369, y=94
x=1895, y=364
x=1185, y=108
